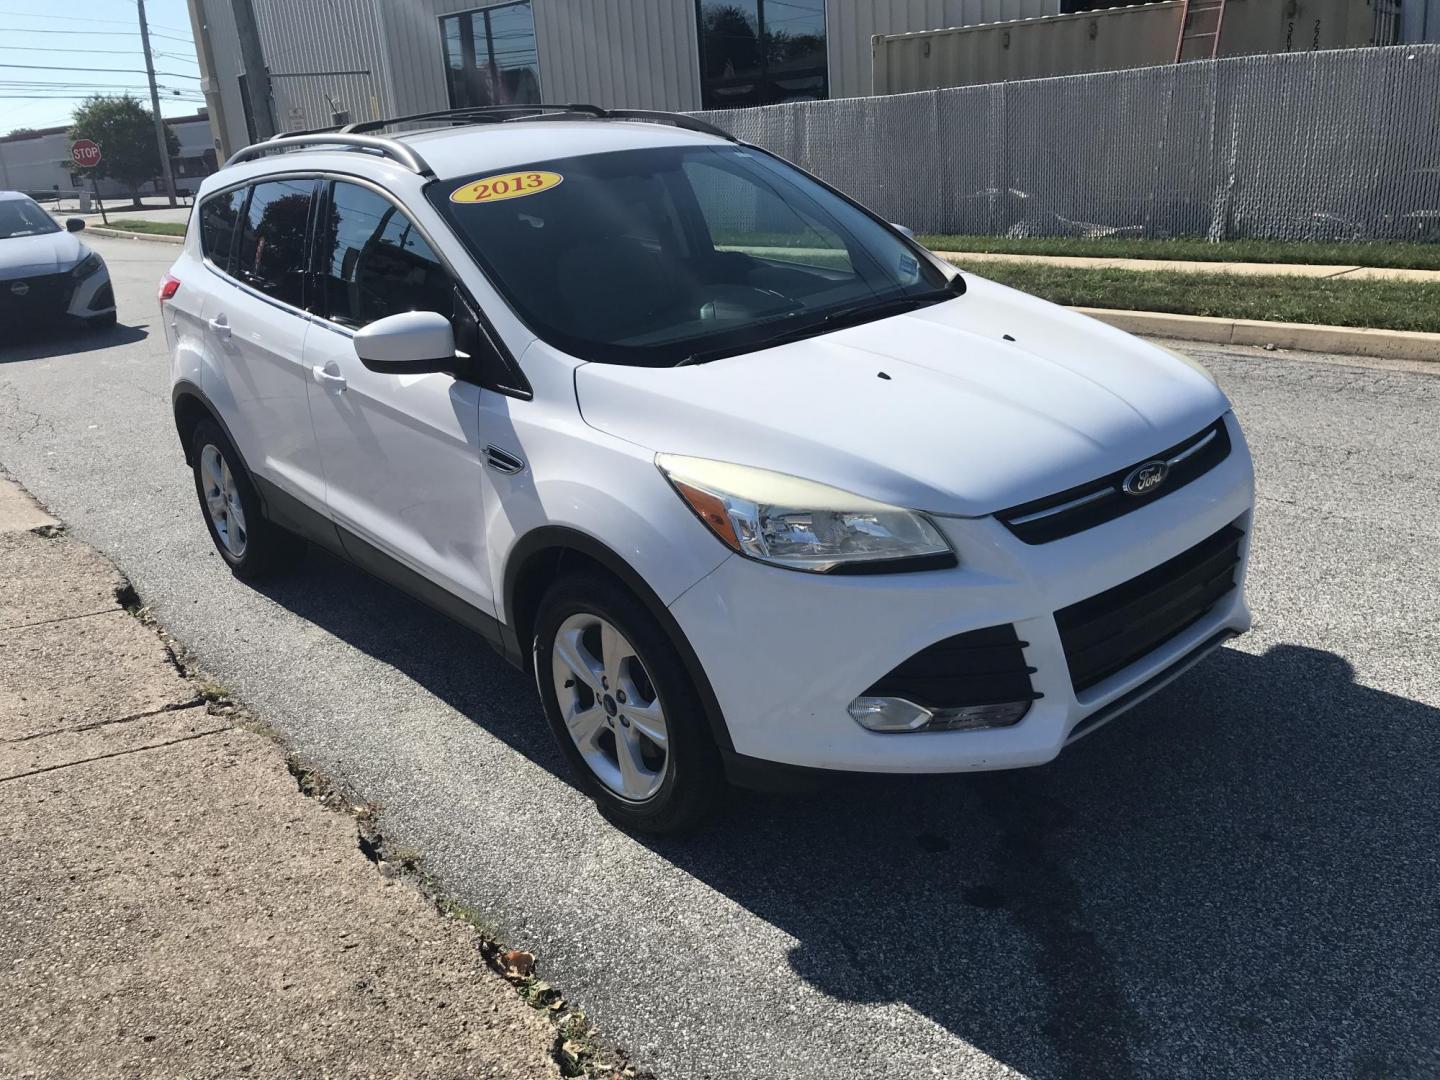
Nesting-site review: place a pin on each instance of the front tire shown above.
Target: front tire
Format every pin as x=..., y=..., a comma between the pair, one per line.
x=251, y=546
x=622, y=707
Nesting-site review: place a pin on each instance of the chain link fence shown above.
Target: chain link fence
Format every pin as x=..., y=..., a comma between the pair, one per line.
x=1313, y=146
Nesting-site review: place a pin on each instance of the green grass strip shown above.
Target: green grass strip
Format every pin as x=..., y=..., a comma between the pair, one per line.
x=160, y=228
x=1387, y=305
x=1409, y=256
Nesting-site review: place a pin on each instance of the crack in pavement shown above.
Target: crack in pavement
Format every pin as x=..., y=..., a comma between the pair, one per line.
x=119, y=753
x=177, y=706
x=59, y=619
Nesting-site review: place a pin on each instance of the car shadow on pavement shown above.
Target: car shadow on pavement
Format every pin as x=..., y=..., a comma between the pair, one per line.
x=40, y=342
x=1238, y=877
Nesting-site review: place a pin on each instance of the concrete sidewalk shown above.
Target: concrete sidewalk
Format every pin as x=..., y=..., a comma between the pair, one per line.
x=1192, y=266
x=172, y=905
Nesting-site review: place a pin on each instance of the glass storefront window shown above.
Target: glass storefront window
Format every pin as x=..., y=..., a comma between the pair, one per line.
x=761, y=52
x=490, y=56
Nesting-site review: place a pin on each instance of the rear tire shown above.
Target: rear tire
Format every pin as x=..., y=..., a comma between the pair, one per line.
x=622, y=707
x=252, y=546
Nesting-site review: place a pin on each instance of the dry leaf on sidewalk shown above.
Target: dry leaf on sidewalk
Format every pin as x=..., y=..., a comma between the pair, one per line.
x=518, y=962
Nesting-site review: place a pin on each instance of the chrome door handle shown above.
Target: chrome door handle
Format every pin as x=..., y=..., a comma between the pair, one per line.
x=329, y=376
x=220, y=326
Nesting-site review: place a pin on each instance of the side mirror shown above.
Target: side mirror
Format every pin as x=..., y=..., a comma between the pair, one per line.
x=411, y=343
x=74, y=224
x=903, y=230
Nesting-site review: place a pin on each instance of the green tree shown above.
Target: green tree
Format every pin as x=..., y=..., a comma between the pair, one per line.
x=125, y=131
x=21, y=132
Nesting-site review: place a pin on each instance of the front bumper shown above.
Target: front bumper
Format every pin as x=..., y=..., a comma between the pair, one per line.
x=52, y=297
x=787, y=652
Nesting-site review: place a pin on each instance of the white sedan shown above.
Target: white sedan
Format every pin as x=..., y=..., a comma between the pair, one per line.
x=46, y=273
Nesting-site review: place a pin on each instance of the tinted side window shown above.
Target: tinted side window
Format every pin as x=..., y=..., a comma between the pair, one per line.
x=373, y=262
x=219, y=216
x=272, y=253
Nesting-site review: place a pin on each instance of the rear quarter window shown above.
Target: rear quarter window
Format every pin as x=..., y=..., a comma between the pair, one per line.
x=219, y=215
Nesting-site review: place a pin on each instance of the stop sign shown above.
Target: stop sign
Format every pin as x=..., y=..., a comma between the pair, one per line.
x=85, y=153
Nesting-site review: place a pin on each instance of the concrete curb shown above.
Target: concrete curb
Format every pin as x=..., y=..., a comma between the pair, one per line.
x=119, y=234
x=1349, y=340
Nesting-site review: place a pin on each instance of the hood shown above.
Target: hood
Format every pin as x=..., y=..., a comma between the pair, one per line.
x=31, y=256
x=966, y=423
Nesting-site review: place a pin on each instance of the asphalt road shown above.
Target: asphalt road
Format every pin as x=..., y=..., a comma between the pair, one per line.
x=1238, y=879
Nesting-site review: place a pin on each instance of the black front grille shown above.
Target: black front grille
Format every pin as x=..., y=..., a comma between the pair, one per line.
x=983, y=667
x=1079, y=508
x=44, y=294
x=1110, y=631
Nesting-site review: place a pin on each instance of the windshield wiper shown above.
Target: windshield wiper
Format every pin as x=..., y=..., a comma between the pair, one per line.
x=834, y=321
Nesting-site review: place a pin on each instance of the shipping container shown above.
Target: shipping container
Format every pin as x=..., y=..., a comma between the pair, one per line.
x=1112, y=39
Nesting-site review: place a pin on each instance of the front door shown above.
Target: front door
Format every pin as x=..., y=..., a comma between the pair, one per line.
x=401, y=453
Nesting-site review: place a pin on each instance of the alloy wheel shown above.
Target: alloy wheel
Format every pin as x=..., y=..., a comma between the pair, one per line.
x=222, y=500
x=610, y=706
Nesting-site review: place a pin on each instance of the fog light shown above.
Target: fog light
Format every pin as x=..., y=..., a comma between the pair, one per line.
x=889, y=714
x=898, y=715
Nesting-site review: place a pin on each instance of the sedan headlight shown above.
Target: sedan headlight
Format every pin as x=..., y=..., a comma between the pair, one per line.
x=86, y=266
x=802, y=525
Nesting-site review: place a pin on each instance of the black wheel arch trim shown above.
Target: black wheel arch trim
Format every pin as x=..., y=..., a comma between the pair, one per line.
x=559, y=539
x=185, y=388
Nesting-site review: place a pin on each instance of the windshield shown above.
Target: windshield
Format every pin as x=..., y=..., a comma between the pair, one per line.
x=22, y=217
x=668, y=254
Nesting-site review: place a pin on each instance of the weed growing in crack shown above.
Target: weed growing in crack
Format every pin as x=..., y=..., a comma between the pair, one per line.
x=129, y=599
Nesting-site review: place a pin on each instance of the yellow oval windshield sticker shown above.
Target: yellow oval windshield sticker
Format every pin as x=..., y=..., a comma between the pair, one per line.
x=510, y=185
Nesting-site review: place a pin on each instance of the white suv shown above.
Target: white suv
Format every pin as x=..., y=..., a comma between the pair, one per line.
x=750, y=480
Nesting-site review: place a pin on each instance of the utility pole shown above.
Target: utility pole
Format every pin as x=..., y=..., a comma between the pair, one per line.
x=155, y=105
x=257, y=76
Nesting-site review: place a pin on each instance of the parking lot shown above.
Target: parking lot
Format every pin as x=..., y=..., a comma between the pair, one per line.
x=1239, y=878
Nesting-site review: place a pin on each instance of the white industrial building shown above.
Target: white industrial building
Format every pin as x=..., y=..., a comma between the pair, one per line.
x=38, y=162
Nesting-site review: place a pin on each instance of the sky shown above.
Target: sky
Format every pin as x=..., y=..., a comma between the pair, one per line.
x=64, y=53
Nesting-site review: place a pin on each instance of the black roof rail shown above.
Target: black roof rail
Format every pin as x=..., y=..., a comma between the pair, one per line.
x=396, y=151
x=478, y=114
x=680, y=120
x=352, y=135
x=472, y=113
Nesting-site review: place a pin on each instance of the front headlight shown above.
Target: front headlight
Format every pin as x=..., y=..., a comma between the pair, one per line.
x=802, y=525
x=86, y=266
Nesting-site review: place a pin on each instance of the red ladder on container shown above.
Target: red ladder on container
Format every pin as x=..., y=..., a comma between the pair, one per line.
x=1200, y=22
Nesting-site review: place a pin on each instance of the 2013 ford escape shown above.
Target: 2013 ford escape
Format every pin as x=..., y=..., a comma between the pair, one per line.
x=745, y=476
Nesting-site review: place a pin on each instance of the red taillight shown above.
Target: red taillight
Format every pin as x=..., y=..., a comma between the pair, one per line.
x=169, y=286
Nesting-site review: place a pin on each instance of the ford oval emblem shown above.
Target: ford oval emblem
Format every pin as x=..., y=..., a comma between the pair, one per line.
x=20, y=288
x=1143, y=479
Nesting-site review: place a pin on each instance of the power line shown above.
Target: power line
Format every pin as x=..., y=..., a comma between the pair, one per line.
x=114, y=52
x=161, y=25
x=124, y=33
x=77, y=18
x=100, y=71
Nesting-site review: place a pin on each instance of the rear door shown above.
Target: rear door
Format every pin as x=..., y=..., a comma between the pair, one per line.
x=255, y=325
x=401, y=453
